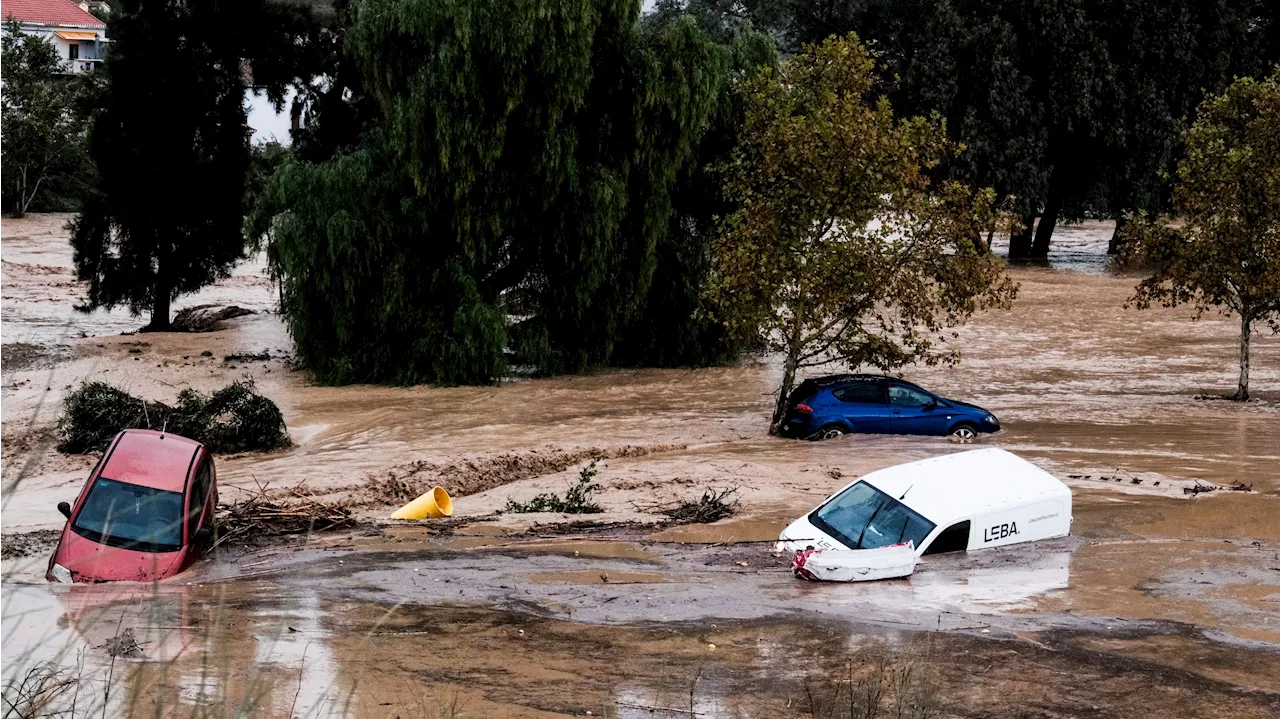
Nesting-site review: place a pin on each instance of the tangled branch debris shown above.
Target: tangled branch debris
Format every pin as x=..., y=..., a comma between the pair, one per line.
x=235, y=418
x=267, y=514
x=576, y=500
x=711, y=507
x=262, y=356
x=205, y=318
x=124, y=645
x=407, y=481
x=1203, y=487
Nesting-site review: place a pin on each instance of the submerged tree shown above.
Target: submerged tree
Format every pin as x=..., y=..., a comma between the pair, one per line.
x=1068, y=109
x=44, y=140
x=842, y=248
x=672, y=327
x=533, y=157
x=1226, y=251
x=172, y=148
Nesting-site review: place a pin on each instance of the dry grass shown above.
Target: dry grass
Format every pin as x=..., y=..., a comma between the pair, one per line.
x=875, y=684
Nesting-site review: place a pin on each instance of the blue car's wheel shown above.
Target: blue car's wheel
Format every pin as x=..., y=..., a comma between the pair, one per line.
x=830, y=431
x=964, y=431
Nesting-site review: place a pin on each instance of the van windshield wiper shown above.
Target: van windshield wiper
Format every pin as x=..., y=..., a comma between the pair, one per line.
x=870, y=519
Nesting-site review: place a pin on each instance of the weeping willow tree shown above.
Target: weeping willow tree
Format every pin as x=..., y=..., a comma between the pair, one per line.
x=513, y=197
x=675, y=327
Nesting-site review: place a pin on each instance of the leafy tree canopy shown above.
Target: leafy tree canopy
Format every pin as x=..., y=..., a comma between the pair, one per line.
x=1068, y=108
x=842, y=248
x=532, y=152
x=44, y=140
x=171, y=146
x=1225, y=253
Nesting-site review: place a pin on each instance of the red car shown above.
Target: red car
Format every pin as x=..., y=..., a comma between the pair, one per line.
x=145, y=514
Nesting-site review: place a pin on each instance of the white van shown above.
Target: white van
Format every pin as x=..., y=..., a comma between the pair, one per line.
x=969, y=500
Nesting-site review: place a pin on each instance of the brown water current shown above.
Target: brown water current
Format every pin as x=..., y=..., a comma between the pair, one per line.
x=1158, y=602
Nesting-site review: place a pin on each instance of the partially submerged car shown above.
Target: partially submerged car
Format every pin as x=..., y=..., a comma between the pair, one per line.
x=146, y=512
x=957, y=502
x=827, y=407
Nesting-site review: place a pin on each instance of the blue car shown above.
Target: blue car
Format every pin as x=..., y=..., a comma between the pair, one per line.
x=828, y=407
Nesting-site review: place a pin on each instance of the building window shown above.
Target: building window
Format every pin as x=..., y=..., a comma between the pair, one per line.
x=73, y=52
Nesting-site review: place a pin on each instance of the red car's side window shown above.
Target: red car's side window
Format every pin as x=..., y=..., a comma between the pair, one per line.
x=197, y=497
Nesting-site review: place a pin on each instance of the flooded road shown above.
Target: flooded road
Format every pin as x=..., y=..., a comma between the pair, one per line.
x=1153, y=589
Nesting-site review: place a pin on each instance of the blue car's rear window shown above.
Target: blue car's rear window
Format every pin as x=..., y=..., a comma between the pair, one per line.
x=862, y=393
x=126, y=515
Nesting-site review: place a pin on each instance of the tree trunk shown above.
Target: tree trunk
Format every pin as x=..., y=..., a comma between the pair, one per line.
x=1020, y=240
x=1113, y=247
x=784, y=391
x=160, y=311
x=1048, y=220
x=794, y=350
x=1246, y=329
x=161, y=298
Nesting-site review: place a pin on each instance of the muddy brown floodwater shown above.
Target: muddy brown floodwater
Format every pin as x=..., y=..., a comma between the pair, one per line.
x=1158, y=603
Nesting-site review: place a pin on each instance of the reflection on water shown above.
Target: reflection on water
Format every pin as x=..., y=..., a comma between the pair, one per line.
x=1079, y=248
x=953, y=584
x=218, y=648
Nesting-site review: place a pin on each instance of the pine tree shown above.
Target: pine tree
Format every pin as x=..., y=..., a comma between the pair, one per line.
x=172, y=148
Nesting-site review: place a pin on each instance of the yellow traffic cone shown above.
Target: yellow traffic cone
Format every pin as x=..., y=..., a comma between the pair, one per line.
x=434, y=504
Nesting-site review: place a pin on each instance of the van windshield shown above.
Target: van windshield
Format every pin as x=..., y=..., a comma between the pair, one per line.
x=863, y=517
x=126, y=515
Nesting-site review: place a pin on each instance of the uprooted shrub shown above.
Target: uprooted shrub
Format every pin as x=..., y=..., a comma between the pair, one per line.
x=576, y=500
x=235, y=418
x=713, y=506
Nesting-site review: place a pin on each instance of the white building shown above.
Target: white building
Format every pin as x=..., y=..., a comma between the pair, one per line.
x=79, y=37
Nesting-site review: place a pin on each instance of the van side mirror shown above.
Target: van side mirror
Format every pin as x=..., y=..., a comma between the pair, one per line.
x=65, y=509
x=202, y=536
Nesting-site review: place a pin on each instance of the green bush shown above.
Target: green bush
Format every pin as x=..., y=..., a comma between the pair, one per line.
x=577, y=500
x=235, y=418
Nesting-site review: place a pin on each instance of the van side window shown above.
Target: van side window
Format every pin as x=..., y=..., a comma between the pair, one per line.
x=199, y=494
x=952, y=539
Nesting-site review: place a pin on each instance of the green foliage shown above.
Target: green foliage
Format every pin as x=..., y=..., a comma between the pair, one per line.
x=576, y=500
x=673, y=327
x=1066, y=109
x=1225, y=253
x=842, y=247
x=171, y=147
x=235, y=418
x=368, y=292
x=523, y=170
x=44, y=153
